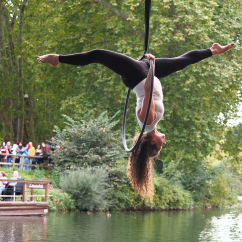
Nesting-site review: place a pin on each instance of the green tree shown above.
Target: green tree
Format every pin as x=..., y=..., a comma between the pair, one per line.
x=232, y=145
x=193, y=98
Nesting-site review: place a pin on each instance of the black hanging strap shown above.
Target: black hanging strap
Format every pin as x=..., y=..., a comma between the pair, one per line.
x=147, y=26
x=147, y=21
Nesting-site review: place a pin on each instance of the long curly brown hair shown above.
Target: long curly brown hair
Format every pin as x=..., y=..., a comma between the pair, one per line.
x=140, y=164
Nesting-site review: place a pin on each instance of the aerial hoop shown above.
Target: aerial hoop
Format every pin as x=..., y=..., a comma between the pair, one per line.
x=146, y=115
x=147, y=22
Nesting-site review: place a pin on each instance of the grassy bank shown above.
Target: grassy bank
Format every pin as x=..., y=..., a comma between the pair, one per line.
x=110, y=189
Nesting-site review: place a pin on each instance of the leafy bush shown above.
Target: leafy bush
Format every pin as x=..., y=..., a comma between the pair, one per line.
x=171, y=195
x=220, y=191
x=198, y=183
x=38, y=174
x=168, y=194
x=55, y=176
x=120, y=193
x=88, y=142
x=60, y=201
x=87, y=187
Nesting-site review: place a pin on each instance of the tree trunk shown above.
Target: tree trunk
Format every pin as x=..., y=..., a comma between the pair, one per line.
x=20, y=72
x=5, y=111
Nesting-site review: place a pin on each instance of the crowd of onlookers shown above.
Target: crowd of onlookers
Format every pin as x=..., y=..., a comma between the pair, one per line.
x=43, y=151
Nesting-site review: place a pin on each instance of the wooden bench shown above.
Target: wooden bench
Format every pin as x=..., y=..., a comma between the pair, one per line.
x=23, y=207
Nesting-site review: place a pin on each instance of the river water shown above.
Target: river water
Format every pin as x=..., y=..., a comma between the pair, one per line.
x=221, y=225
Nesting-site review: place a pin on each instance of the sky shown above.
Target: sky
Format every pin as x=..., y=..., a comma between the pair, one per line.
x=234, y=122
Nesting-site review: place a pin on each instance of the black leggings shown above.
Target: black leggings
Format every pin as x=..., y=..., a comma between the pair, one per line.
x=132, y=71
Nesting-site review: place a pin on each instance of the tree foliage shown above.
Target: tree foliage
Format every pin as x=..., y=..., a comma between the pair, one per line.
x=193, y=97
x=232, y=145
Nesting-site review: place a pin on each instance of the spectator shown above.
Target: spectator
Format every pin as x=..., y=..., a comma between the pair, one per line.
x=52, y=144
x=46, y=153
x=38, y=152
x=9, y=158
x=25, y=159
x=15, y=146
x=15, y=177
x=2, y=183
x=31, y=152
x=19, y=151
x=4, y=150
x=47, y=148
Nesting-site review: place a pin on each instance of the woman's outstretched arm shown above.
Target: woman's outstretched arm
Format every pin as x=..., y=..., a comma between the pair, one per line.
x=142, y=112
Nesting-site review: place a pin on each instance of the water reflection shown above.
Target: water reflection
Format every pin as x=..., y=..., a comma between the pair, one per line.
x=227, y=227
x=222, y=225
x=23, y=228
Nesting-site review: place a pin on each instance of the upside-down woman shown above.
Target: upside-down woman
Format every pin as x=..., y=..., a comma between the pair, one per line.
x=136, y=75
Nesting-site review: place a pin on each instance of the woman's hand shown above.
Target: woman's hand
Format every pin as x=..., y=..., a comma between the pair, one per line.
x=148, y=79
x=217, y=49
x=150, y=57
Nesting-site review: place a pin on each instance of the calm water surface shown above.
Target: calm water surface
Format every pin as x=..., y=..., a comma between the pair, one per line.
x=222, y=225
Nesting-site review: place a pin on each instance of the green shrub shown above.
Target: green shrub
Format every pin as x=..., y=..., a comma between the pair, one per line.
x=120, y=193
x=198, y=183
x=60, y=201
x=234, y=180
x=55, y=176
x=87, y=187
x=225, y=188
x=38, y=174
x=171, y=195
x=89, y=142
x=220, y=191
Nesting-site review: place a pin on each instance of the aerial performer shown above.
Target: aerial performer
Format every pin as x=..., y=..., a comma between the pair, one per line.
x=135, y=74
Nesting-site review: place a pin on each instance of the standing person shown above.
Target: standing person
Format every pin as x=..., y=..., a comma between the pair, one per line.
x=31, y=152
x=4, y=151
x=45, y=150
x=52, y=146
x=19, y=151
x=3, y=176
x=51, y=143
x=25, y=159
x=38, y=152
x=9, y=158
x=136, y=75
x=14, y=148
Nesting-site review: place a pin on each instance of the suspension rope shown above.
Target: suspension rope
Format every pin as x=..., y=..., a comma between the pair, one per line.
x=147, y=21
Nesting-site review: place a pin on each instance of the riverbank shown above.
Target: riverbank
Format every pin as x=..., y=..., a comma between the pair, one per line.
x=116, y=193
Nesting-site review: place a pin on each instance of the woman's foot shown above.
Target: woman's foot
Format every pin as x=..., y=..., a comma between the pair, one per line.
x=218, y=49
x=52, y=59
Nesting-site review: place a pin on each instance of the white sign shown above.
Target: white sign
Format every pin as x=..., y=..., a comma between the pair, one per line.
x=36, y=186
